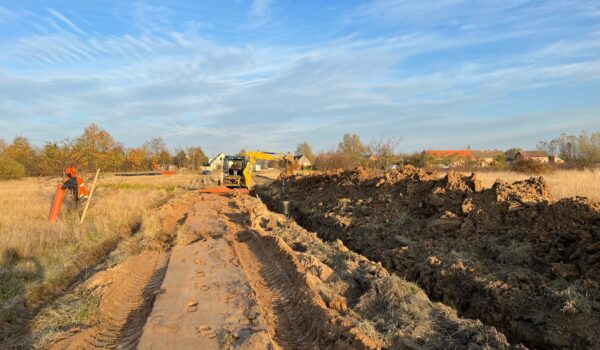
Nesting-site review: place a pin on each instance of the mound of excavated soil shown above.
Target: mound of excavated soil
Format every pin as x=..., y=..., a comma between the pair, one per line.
x=509, y=256
x=379, y=308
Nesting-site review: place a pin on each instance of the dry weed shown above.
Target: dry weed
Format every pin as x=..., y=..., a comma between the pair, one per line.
x=40, y=259
x=562, y=183
x=574, y=302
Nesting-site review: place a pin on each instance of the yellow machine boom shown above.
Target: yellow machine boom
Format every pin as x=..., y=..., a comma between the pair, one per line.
x=243, y=178
x=252, y=157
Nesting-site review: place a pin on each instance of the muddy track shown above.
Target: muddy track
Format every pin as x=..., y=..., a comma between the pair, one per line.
x=125, y=305
x=295, y=315
x=280, y=307
x=234, y=282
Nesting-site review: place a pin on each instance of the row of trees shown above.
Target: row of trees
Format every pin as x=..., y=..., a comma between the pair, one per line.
x=352, y=152
x=576, y=150
x=581, y=150
x=94, y=148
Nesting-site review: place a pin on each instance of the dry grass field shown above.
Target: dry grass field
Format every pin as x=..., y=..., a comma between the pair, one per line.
x=28, y=239
x=118, y=203
x=562, y=183
x=39, y=259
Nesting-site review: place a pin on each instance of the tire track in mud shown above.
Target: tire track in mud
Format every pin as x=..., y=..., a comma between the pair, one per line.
x=125, y=304
x=296, y=315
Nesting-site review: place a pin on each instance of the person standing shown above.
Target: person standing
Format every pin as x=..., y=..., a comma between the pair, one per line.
x=75, y=183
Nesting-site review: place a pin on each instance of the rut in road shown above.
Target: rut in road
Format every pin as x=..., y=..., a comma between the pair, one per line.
x=296, y=315
x=124, y=308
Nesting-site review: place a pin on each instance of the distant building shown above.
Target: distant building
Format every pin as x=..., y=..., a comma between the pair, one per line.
x=464, y=153
x=538, y=156
x=487, y=158
x=216, y=163
x=452, y=157
x=303, y=161
x=555, y=160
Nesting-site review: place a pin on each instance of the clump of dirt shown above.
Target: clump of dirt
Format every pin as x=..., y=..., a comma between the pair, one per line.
x=510, y=256
x=379, y=308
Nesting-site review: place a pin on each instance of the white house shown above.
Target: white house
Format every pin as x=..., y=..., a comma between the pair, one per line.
x=302, y=160
x=216, y=163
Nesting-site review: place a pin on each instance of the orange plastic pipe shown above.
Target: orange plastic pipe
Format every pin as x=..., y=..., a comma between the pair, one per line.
x=56, y=203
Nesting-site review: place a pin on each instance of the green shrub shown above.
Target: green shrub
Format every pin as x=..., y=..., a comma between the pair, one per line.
x=10, y=169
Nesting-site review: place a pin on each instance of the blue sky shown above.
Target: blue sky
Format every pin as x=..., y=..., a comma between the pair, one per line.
x=269, y=74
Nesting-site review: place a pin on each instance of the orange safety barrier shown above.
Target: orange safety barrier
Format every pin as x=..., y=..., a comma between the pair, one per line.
x=168, y=172
x=223, y=189
x=56, y=203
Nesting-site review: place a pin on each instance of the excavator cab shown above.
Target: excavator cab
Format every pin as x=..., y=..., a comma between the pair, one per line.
x=233, y=171
x=238, y=170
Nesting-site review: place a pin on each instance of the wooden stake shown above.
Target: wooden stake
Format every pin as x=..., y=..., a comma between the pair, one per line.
x=87, y=204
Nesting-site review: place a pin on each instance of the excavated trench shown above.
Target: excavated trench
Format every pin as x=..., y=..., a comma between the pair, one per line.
x=224, y=272
x=509, y=256
x=228, y=273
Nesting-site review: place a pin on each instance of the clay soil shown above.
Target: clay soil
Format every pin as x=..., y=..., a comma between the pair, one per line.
x=207, y=280
x=221, y=271
x=509, y=256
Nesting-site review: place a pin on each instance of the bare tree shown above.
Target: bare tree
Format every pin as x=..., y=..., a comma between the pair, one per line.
x=334, y=160
x=582, y=149
x=384, y=150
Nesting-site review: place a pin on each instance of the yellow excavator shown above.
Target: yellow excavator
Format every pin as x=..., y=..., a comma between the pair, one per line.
x=238, y=170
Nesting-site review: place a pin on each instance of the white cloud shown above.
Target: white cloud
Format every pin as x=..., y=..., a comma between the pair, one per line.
x=203, y=88
x=65, y=20
x=193, y=88
x=485, y=15
x=260, y=8
x=150, y=16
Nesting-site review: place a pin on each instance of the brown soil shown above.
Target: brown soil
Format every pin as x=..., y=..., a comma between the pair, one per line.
x=225, y=286
x=128, y=293
x=381, y=309
x=509, y=256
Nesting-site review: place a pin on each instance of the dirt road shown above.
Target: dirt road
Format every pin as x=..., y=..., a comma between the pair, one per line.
x=220, y=286
x=221, y=271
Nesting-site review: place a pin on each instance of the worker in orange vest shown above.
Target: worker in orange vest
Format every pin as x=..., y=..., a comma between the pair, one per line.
x=76, y=184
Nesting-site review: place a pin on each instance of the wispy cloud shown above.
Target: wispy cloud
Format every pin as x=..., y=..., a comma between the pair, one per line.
x=260, y=12
x=150, y=16
x=260, y=8
x=486, y=16
x=65, y=20
x=7, y=16
x=186, y=85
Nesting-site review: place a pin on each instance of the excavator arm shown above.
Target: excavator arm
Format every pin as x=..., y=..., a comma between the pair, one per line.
x=252, y=157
